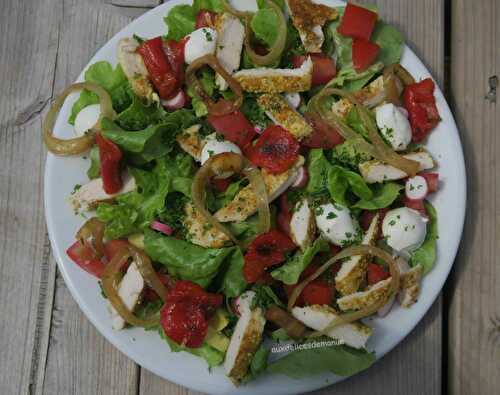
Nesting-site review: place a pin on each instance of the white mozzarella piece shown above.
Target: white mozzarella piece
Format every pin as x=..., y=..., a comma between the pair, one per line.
x=213, y=147
x=336, y=223
x=293, y=98
x=404, y=229
x=201, y=42
x=394, y=126
x=416, y=188
x=87, y=118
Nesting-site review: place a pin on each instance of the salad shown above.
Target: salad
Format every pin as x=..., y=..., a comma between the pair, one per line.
x=256, y=177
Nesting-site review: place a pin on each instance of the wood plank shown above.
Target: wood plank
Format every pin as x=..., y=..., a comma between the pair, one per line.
x=28, y=47
x=80, y=360
x=414, y=367
x=474, y=289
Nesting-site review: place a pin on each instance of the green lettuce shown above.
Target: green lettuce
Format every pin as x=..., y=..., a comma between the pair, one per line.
x=350, y=80
x=139, y=115
x=383, y=196
x=265, y=24
x=341, y=180
x=390, y=41
x=154, y=141
x=426, y=254
x=94, y=170
x=253, y=112
x=181, y=21
x=341, y=360
x=212, y=356
x=348, y=154
x=233, y=282
x=185, y=260
x=209, y=5
x=291, y=270
x=112, y=80
x=318, y=168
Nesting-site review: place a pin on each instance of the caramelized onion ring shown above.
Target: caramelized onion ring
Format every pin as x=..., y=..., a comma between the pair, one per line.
x=345, y=253
x=80, y=144
x=230, y=162
x=278, y=46
x=91, y=234
x=111, y=281
x=220, y=107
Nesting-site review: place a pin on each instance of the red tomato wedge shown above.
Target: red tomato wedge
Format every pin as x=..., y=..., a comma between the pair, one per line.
x=110, y=156
x=323, y=135
x=318, y=292
x=234, y=126
x=113, y=246
x=84, y=257
x=376, y=273
x=265, y=250
x=357, y=22
x=420, y=103
x=417, y=205
x=276, y=150
x=364, y=54
x=323, y=67
x=432, y=180
x=205, y=18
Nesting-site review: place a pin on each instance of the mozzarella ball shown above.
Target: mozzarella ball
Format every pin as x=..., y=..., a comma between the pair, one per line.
x=416, y=188
x=336, y=224
x=293, y=98
x=404, y=229
x=201, y=42
x=394, y=126
x=87, y=118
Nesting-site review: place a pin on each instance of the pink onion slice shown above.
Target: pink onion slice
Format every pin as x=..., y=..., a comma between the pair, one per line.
x=161, y=227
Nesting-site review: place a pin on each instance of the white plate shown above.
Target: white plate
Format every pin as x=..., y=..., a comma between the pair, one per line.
x=146, y=348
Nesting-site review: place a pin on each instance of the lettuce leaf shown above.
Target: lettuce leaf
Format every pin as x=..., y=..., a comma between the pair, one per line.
x=291, y=270
x=94, y=170
x=264, y=24
x=390, y=41
x=185, y=260
x=341, y=180
x=383, y=196
x=233, y=283
x=426, y=254
x=181, y=21
x=112, y=80
x=349, y=79
x=210, y=5
x=139, y=115
x=212, y=356
x=341, y=360
x=318, y=168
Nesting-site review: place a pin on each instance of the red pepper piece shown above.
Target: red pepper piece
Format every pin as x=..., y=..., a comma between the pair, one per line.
x=364, y=54
x=85, y=257
x=376, y=273
x=323, y=67
x=110, y=156
x=234, y=126
x=276, y=150
x=323, y=135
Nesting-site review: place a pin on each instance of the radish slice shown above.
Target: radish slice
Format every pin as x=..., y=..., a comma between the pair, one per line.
x=416, y=188
x=161, y=227
x=432, y=181
x=302, y=178
x=258, y=129
x=178, y=101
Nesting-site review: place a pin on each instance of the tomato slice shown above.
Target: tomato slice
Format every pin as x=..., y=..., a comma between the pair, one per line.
x=84, y=257
x=205, y=18
x=376, y=273
x=234, y=126
x=357, y=22
x=432, y=181
x=113, y=246
x=323, y=67
x=318, y=292
x=364, y=54
x=110, y=156
x=323, y=135
x=420, y=103
x=276, y=150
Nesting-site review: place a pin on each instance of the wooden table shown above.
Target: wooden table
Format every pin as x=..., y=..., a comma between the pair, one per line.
x=47, y=346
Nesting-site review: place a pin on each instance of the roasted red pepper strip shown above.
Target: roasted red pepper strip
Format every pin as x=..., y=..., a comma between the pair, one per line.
x=160, y=70
x=110, y=156
x=420, y=103
x=357, y=22
x=185, y=316
x=376, y=273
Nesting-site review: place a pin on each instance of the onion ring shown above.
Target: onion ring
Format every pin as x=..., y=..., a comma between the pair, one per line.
x=80, y=144
x=91, y=234
x=220, y=107
x=345, y=253
x=217, y=165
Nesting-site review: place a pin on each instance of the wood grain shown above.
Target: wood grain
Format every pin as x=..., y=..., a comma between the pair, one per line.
x=474, y=289
x=28, y=51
